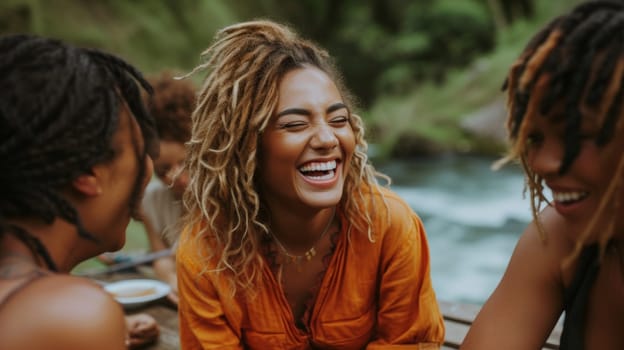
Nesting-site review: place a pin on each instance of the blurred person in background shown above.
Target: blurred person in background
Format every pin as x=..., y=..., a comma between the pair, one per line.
x=171, y=106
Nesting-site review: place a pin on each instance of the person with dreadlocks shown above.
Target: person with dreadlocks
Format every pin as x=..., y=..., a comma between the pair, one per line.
x=290, y=242
x=566, y=124
x=75, y=155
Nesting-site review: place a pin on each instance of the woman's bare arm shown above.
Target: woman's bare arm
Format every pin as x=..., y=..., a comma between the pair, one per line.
x=525, y=306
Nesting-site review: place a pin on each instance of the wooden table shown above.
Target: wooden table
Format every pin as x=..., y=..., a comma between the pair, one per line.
x=457, y=317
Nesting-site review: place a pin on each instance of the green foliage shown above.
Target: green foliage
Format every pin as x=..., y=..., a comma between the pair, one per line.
x=423, y=39
x=433, y=112
x=468, y=9
x=419, y=54
x=154, y=35
x=406, y=43
x=457, y=31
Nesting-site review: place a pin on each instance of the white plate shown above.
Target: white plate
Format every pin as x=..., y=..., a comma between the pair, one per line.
x=136, y=292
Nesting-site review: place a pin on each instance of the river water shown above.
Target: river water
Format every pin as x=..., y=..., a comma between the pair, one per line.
x=473, y=217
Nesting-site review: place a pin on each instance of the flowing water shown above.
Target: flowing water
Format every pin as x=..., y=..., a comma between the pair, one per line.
x=473, y=217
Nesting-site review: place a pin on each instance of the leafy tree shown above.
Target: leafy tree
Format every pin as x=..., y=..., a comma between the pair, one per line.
x=382, y=46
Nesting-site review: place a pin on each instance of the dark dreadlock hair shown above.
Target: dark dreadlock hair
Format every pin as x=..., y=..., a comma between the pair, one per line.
x=575, y=63
x=59, y=109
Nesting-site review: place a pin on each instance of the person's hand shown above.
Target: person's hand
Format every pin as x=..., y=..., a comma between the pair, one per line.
x=173, y=295
x=142, y=330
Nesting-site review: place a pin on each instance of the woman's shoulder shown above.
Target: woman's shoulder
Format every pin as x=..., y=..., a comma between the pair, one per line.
x=545, y=243
x=191, y=233
x=551, y=231
x=68, y=312
x=158, y=198
x=157, y=189
x=193, y=247
x=392, y=217
x=81, y=297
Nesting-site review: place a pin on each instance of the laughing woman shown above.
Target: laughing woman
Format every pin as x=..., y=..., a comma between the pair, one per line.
x=566, y=127
x=290, y=242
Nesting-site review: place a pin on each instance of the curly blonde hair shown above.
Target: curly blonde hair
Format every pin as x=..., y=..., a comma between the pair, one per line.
x=245, y=65
x=576, y=63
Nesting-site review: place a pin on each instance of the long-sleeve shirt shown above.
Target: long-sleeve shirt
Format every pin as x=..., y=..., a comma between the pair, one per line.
x=373, y=294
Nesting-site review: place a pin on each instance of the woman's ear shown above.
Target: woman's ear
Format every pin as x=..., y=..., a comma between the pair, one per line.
x=87, y=184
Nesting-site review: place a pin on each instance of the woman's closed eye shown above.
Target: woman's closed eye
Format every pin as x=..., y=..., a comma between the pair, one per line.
x=339, y=121
x=293, y=125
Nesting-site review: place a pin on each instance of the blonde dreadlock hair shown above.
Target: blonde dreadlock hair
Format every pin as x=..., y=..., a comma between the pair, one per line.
x=577, y=63
x=245, y=65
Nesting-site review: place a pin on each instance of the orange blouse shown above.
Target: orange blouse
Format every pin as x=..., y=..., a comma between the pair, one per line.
x=373, y=295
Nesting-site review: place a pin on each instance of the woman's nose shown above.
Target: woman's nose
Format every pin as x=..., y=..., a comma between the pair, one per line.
x=324, y=137
x=546, y=158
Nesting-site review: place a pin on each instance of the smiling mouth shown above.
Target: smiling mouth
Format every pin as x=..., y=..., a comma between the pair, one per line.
x=319, y=170
x=569, y=197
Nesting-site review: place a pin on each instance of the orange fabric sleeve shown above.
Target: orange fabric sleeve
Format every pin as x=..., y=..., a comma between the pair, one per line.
x=204, y=323
x=408, y=311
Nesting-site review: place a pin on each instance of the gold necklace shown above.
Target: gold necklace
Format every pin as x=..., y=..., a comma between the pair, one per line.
x=310, y=253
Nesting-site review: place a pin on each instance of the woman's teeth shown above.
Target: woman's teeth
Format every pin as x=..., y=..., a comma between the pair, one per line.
x=319, y=170
x=319, y=166
x=326, y=176
x=567, y=197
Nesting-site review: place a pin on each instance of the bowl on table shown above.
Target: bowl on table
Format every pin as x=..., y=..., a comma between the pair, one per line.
x=137, y=292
